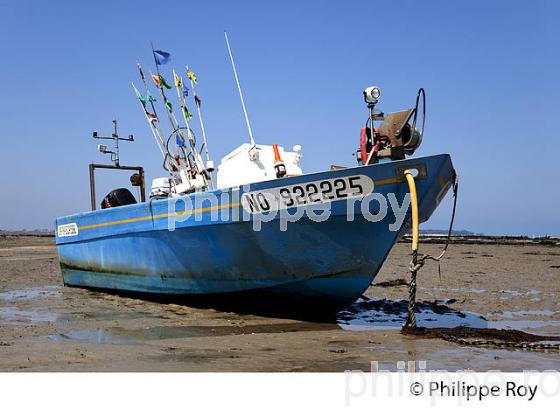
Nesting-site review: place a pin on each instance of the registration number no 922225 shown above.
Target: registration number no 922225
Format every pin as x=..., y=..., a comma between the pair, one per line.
x=307, y=193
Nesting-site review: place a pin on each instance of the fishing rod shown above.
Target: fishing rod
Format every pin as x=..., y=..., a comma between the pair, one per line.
x=151, y=100
x=190, y=169
x=176, y=128
x=209, y=163
x=160, y=83
x=187, y=117
x=198, y=168
x=151, y=118
x=193, y=80
x=152, y=121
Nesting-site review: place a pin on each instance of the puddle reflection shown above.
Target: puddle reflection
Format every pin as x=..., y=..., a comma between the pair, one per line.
x=31, y=293
x=370, y=314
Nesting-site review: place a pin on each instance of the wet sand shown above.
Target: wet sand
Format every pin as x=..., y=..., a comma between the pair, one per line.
x=45, y=326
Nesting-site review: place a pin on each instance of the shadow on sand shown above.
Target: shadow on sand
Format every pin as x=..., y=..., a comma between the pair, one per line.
x=364, y=314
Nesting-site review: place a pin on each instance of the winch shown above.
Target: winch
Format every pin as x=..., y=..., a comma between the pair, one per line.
x=397, y=135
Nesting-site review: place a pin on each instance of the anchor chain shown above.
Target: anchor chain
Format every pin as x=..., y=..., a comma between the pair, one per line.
x=502, y=344
x=487, y=337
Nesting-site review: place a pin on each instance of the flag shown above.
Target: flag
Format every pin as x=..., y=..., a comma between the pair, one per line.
x=141, y=72
x=180, y=141
x=197, y=100
x=151, y=117
x=187, y=113
x=164, y=83
x=168, y=104
x=156, y=80
x=161, y=57
x=185, y=90
x=192, y=76
x=159, y=81
x=178, y=81
x=149, y=97
x=140, y=97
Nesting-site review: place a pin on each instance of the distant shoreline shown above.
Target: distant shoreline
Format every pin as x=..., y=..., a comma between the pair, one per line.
x=427, y=238
x=484, y=240
x=35, y=233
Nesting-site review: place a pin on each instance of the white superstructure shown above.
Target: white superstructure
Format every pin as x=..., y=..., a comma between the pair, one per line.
x=254, y=163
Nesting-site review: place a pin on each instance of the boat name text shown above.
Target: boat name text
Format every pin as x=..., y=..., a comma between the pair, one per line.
x=324, y=191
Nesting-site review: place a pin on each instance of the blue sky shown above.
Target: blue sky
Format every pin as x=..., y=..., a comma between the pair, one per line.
x=490, y=70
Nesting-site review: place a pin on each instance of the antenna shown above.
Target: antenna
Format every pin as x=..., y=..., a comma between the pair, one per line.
x=115, y=155
x=239, y=89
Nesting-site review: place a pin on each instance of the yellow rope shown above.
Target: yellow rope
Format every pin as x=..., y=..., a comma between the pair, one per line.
x=414, y=205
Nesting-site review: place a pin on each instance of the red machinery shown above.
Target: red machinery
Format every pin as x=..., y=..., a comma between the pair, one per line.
x=396, y=136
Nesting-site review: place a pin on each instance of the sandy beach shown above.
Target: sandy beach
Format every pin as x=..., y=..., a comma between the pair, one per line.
x=45, y=326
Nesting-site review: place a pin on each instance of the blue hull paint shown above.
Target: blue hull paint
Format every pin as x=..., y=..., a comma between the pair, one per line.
x=131, y=249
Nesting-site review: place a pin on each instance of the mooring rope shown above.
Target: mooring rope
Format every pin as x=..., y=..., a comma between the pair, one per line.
x=414, y=267
x=418, y=261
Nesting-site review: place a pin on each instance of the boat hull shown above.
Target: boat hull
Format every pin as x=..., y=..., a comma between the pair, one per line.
x=329, y=263
x=332, y=268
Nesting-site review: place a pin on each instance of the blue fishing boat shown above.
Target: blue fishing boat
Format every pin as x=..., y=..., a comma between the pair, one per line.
x=267, y=228
x=131, y=248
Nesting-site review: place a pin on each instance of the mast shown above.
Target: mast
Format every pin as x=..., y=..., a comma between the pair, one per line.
x=240, y=92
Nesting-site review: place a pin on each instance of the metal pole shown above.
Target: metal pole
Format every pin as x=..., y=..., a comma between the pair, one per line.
x=239, y=89
x=200, y=119
x=92, y=168
x=372, y=132
x=92, y=185
x=143, y=186
x=116, y=138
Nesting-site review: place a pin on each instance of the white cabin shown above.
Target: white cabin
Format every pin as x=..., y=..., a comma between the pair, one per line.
x=250, y=163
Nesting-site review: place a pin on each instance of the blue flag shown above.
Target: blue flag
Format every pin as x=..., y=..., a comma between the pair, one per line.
x=179, y=140
x=185, y=91
x=161, y=57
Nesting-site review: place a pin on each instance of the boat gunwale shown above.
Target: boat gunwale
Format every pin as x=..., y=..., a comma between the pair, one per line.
x=253, y=184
